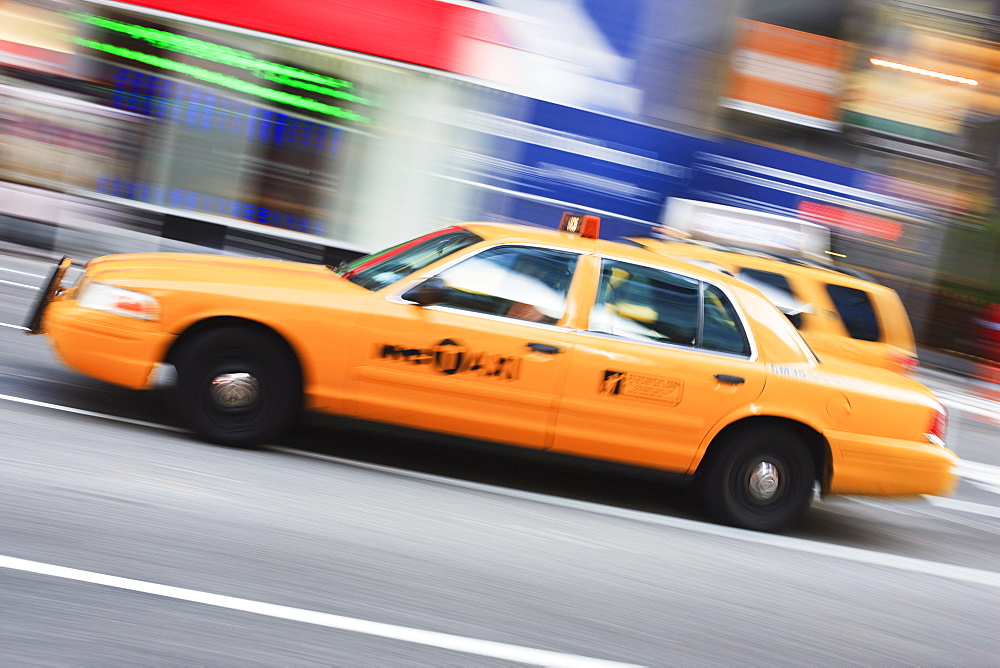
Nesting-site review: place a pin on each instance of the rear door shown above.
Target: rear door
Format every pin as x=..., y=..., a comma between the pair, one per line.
x=663, y=359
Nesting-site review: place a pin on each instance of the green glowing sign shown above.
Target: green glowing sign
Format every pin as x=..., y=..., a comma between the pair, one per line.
x=281, y=74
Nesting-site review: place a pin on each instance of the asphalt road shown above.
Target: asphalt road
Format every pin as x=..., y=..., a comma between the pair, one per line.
x=125, y=541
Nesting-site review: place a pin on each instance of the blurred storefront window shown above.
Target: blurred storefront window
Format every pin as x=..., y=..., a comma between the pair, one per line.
x=182, y=116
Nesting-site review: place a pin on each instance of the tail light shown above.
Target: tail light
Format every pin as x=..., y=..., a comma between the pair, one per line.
x=939, y=427
x=905, y=363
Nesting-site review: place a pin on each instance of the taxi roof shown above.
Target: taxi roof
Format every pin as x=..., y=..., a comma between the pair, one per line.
x=518, y=233
x=623, y=250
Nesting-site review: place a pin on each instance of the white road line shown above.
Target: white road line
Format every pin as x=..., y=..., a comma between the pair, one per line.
x=20, y=285
x=7, y=324
x=910, y=564
x=22, y=273
x=964, y=506
x=969, y=404
x=980, y=472
x=984, y=476
x=498, y=650
x=80, y=411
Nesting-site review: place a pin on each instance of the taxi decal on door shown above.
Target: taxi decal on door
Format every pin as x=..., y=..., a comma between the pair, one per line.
x=451, y=357
x=663, y=390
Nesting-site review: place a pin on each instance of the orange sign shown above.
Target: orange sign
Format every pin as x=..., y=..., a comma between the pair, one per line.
x=786, y=74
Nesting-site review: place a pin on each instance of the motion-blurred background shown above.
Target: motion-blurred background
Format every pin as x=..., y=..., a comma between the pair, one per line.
x=318, y=130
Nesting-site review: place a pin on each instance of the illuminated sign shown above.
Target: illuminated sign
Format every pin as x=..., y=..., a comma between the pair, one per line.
x=852, y=221
x=737, y=230
x=223, y=55
x=786, y=74
x=746, y=228
x=926, y=85
x=922, y=71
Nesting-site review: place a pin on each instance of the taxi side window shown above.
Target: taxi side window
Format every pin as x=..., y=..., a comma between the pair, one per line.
x=650, y=304
x=856, y=312
x=645, y=303
x=721, y=329
x=519, y=282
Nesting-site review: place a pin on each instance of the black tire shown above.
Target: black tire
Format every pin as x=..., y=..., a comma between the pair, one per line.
x=735, y=483
x=260, y=396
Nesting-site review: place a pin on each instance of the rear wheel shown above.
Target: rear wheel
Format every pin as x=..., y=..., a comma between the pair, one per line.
x=237, y=386
x=760, y=478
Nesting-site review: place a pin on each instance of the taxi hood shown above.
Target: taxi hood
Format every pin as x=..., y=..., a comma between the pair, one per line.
x=162, y=269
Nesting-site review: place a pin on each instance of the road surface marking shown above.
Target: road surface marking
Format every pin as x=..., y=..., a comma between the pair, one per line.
x=979, y=406
x=20, y=285
x=80, y=411
x=986, y=473
x=964, y=506
x=498, y=650
x=858, y=555
x=22, y=273
x=7, y=324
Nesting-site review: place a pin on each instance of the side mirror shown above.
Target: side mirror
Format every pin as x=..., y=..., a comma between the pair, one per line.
x=427, y=293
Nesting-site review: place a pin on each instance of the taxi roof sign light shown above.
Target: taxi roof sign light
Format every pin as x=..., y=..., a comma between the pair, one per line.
x=746, y=228
x=586, y=226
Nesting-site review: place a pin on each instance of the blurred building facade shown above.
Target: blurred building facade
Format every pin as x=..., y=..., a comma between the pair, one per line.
x=877, y=118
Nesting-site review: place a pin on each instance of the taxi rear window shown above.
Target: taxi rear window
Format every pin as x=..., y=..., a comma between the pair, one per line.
x=378, y=270
x=648, y=304
x=856, y=312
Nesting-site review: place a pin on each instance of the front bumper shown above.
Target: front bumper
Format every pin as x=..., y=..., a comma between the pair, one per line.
x=877, y=466
x=52, y=288
x=109, y=347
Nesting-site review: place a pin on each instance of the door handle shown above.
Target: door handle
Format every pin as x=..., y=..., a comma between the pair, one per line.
x=729, y=380
x=544, y=348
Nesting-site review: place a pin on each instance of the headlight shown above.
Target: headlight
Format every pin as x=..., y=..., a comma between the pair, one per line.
x=108, y=298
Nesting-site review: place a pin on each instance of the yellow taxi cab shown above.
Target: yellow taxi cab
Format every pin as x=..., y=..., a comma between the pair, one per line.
x=838, y=311
x=554, y=340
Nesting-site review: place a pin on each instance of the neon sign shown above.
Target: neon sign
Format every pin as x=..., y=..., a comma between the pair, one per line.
x=224, y=55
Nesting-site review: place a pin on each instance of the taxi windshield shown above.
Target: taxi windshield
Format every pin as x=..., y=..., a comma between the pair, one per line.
x=378, y=270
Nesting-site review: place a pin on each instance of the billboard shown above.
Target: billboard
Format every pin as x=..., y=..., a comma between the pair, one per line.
x=786, y=74
x=550, y=158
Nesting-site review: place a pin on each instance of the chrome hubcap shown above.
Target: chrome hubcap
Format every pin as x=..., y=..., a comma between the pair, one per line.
x=763, y=481
x=235, y=390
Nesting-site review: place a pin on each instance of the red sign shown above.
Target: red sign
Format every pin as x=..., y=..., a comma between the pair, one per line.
x=423, y=32
x=852, y=221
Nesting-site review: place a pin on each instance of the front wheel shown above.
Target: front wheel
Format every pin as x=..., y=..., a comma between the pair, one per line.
x=237, y=386
x=760, y=478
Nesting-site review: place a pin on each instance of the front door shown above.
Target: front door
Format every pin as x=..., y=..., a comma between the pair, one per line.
x=486, y=362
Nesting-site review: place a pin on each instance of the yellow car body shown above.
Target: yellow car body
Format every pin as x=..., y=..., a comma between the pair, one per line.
x=617, y=355
x=877, y=333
